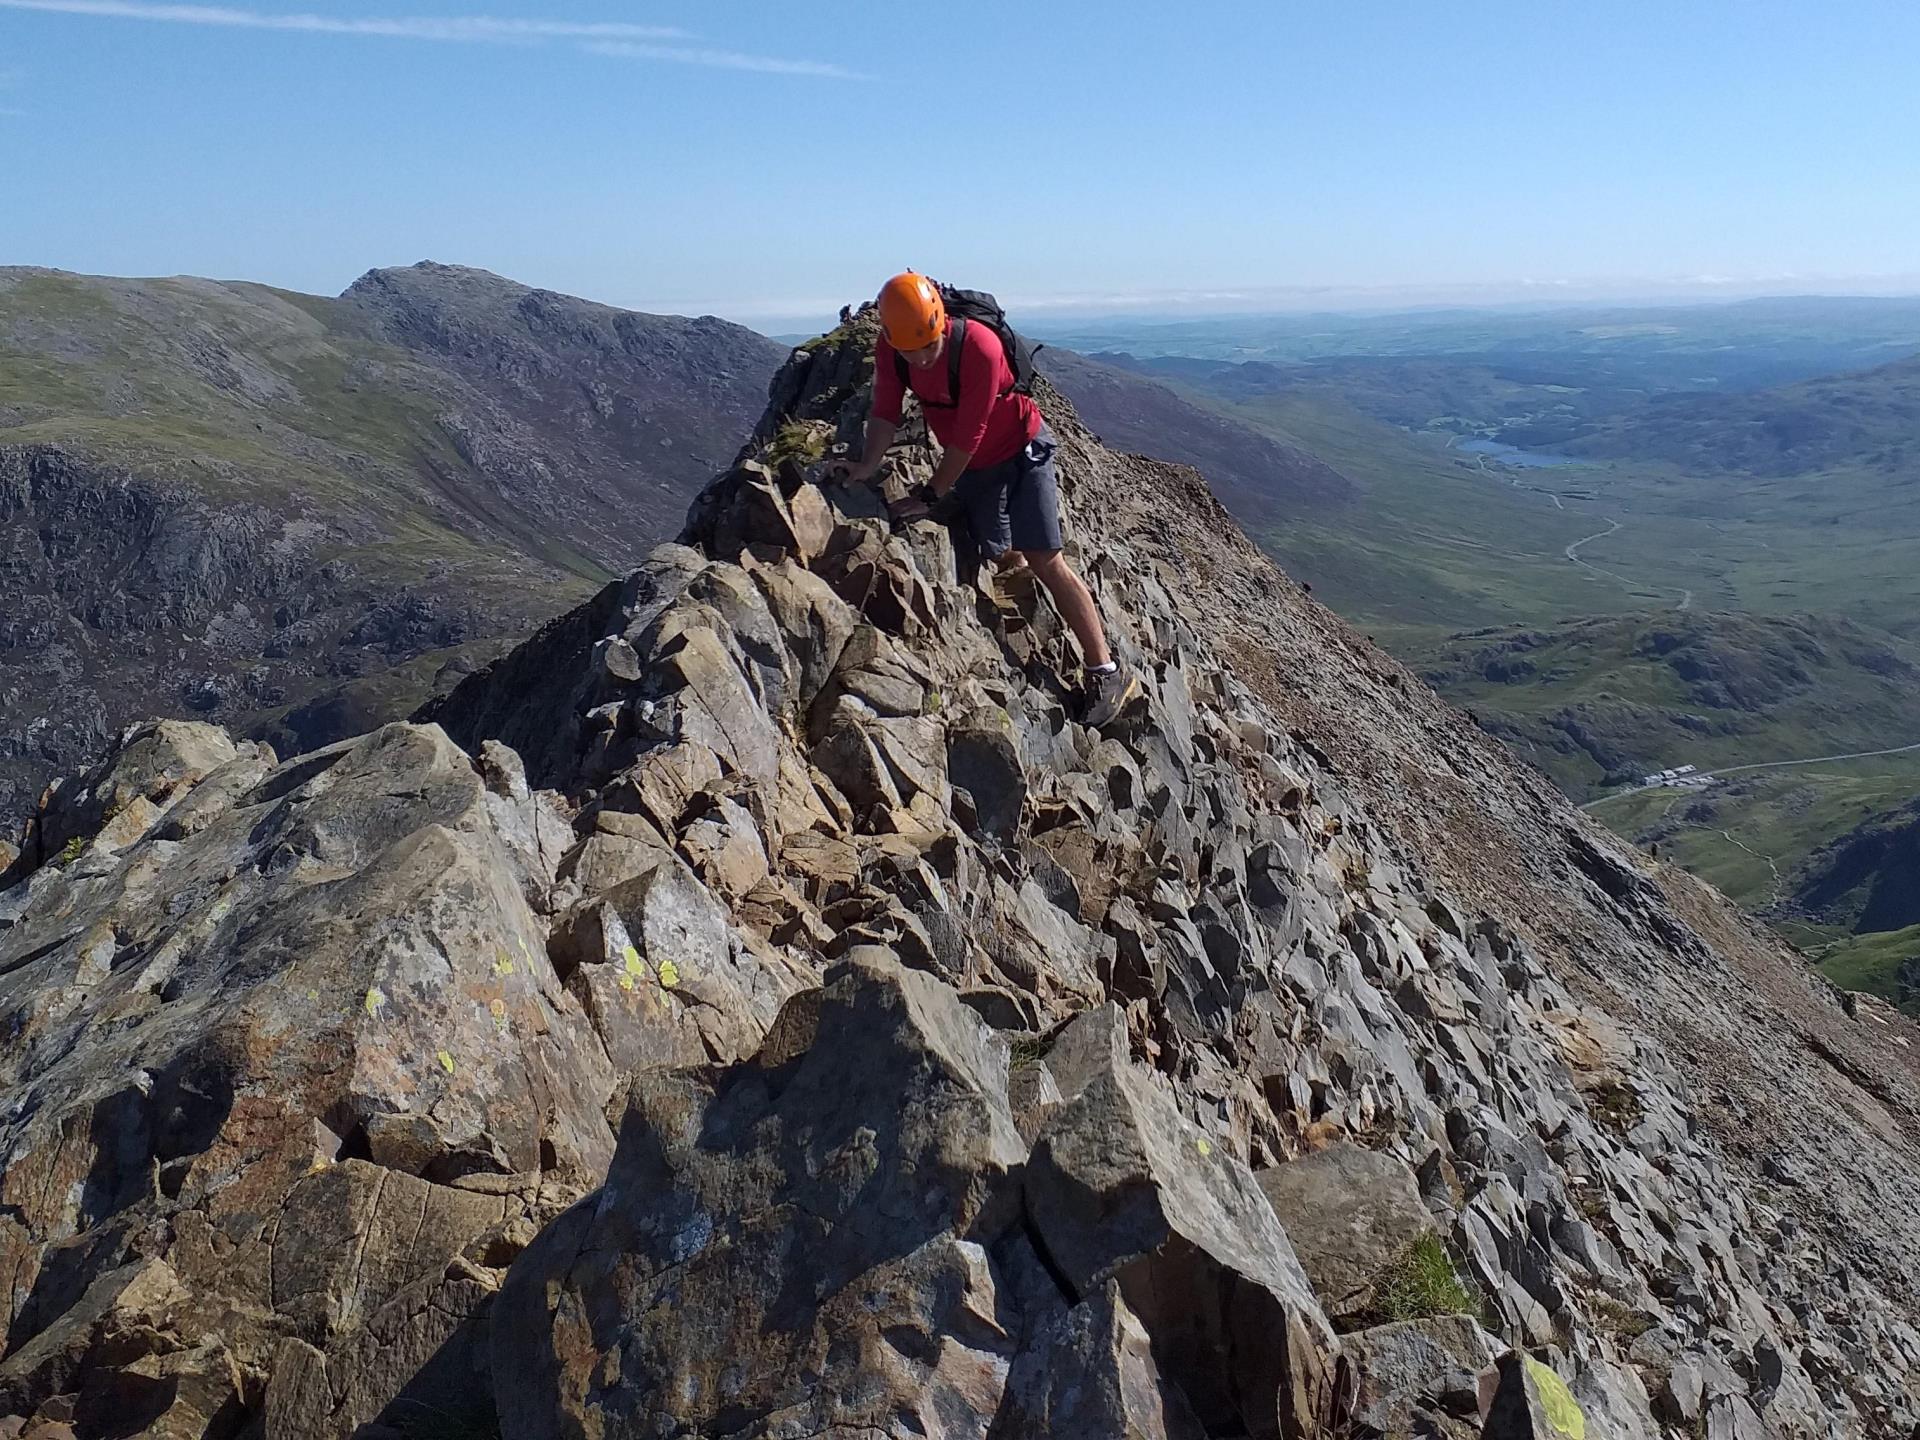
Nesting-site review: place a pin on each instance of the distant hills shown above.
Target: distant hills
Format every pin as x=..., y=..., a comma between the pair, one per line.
x=1604, y=700
x=1861, y=420
x=288, y=512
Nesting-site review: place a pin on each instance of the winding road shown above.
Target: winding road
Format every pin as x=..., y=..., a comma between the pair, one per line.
x=1572, y=552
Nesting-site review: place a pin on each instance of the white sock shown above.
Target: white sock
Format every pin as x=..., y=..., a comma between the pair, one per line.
x=1106, y=669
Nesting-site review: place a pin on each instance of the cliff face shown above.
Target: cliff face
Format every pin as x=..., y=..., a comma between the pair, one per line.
x=812, y=1029
x=124, y=595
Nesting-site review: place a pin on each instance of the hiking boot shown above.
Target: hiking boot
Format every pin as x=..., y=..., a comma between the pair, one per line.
x=1110, y=693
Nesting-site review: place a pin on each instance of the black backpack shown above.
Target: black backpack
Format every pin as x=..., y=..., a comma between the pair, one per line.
x=969, y=305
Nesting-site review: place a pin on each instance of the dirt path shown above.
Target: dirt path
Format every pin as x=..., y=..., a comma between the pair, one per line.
x=1773, y=891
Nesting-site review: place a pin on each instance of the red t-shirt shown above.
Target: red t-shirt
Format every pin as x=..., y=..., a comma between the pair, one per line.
x=989, y=422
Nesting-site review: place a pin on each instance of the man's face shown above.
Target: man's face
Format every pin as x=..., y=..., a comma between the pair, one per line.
x=923, y=357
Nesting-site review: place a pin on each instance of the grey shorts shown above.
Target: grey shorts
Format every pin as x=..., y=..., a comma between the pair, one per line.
x=1014, y=505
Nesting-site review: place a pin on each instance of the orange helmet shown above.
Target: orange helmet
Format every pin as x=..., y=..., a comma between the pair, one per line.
x=912, y=311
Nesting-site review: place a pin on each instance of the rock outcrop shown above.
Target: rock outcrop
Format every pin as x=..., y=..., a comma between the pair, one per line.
x=756, y=1007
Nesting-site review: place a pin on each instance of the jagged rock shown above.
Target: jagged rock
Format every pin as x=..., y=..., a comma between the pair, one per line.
x=1122, y=1188
x=1352, y=1215
x=1092, y=1376
x=682, y=988
x=726, y=850
x=341, y=960
x=116, y=802
x=1731, y=1418
x=815, y=622
x=1411, y=1365
x=842, y=1186
x=983, y=758
x=1531, y=1402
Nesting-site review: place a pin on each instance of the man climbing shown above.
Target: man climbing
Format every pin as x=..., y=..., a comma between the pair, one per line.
x=996, y=459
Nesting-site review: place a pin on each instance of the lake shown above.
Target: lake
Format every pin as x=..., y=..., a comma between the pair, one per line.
x=1514, y=455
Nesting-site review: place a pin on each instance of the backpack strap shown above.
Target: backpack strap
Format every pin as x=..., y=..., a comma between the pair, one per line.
x=956, y=340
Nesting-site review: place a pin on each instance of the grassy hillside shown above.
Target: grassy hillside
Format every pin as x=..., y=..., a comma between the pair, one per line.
x=1261, y=478
x=1443, y=541
x=1747, y=835
x=1752, y=837
x=428, y=413
x=1865, y=880
x=1886, y=963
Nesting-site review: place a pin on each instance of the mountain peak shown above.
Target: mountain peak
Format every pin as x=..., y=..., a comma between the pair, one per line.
x=975, y=1072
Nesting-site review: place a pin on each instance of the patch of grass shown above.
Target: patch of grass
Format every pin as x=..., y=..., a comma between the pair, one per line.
x=1422, y=1284
x=1617, y=1319
x=73, y=850
x=1026, y=1051
x=1616, y=1108
x=801, y=441
x=836, y=336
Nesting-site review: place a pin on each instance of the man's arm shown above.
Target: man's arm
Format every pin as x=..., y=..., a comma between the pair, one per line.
x=879, y=436
x=883, y=420
x=953, y=464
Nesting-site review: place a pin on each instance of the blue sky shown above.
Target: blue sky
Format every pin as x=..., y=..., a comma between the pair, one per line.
x=771, y=161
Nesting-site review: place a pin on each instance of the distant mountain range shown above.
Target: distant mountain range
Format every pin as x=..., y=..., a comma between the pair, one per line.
x=287, y=512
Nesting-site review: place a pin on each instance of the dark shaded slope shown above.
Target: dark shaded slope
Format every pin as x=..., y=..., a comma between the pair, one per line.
x=1261, y=480
x=595, y=421
x=1867, y=880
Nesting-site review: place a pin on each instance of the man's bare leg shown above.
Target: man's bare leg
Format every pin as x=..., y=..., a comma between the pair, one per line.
x=1070, y=593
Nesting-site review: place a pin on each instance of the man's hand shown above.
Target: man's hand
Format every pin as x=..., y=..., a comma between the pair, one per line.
x=854, y=472
x=910, y=507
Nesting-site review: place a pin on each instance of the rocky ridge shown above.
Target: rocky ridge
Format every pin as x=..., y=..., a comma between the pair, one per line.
x=755, y=1007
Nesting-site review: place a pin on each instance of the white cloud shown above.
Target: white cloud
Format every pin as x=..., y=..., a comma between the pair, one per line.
x=603, y=37
x=469, y=29
x=721, y=59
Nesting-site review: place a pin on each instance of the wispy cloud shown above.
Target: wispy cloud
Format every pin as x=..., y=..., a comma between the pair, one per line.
x=470, y=29
x=723, y=59
x=606, y=37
